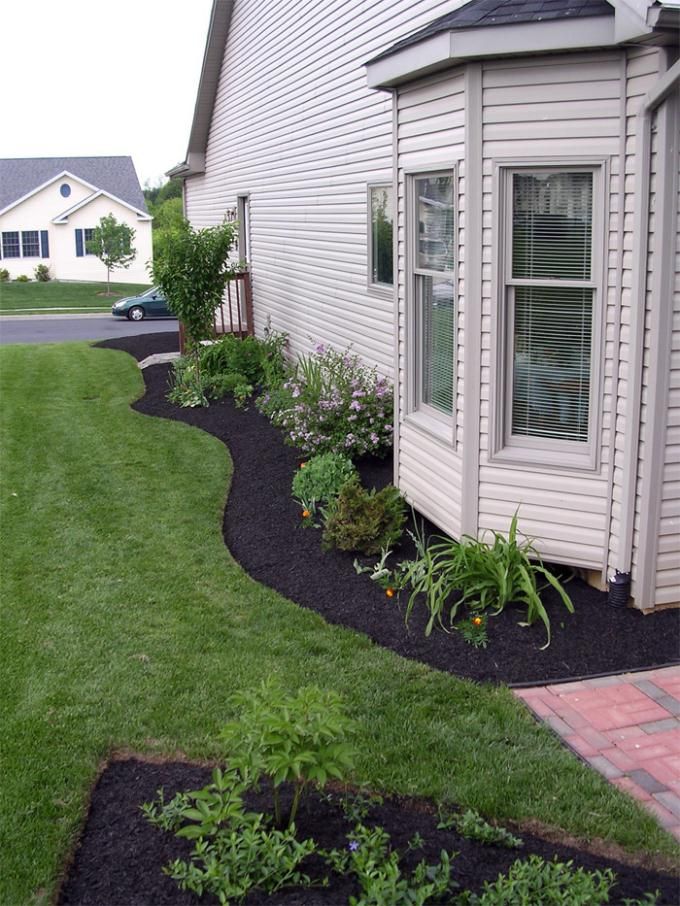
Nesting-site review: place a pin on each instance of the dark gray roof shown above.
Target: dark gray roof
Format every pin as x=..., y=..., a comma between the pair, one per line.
x=116, y=175
x=483, y=13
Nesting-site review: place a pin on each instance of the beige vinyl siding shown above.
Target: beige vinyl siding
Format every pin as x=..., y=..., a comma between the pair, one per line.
x=296, y=128
x=430, y=136
x=641, y=72
x=668, y=553
x=564, y=106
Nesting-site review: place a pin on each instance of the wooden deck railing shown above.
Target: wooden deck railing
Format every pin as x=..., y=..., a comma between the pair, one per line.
x=235, y=314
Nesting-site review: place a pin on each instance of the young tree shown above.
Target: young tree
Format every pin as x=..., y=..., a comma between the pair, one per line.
x=112, y=243
x=192, y=271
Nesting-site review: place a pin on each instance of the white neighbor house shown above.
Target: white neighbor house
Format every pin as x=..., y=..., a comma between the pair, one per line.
x=526, y=153
x=49, y=207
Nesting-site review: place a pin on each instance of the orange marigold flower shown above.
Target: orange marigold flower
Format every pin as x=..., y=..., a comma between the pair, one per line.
x=477, y=621
x=306, y=514
x=389, y=592
x=302, y=465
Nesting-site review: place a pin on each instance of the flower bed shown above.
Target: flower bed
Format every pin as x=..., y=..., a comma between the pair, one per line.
x=263, y=530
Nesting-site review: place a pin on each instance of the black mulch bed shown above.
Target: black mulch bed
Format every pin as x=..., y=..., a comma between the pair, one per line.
x=120, y=855
x=262, y=529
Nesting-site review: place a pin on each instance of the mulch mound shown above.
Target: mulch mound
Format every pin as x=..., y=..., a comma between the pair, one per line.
x=120, y=856
x=263, y=531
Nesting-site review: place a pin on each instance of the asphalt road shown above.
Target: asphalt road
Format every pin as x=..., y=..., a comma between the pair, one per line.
x=58, y=328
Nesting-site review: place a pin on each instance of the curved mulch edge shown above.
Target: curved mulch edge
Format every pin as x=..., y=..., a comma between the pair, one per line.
x=119, y=856
x=263, y=532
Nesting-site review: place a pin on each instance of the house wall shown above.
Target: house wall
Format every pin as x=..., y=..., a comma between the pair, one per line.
x=296, y=128
x=37, y=212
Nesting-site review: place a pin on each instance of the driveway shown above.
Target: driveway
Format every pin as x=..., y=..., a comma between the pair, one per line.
x=58, y=328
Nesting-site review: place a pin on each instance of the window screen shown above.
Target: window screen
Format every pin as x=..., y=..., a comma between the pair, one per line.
x=550, y=314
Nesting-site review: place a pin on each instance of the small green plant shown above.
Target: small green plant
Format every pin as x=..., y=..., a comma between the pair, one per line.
x=42, y=273
x=474, y=631
x=232, y=355
x=375, y=865
x=242, y=393
x=484, y=575
x=470, y=824
x=534, y=881
x=362, y=520
x=302, y=738
x=320, y=479
x=22, y=278
x=4, y=275
x=220, y=385
x=188, y=387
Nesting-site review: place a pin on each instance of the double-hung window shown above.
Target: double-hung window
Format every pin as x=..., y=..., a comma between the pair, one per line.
x=550, y=297
x=30, y=244
x=10, y=244
x=88, y=237
x=434, y=316
x=380, y=247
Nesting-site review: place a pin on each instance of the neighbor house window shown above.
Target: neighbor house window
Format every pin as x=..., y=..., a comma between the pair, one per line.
x=380, y=247
x=433, y=284
x=30, y=244
x=550, y=296
x=88, y=236
x=10, y=244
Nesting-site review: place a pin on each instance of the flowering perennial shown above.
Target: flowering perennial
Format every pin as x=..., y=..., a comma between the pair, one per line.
x=332, y=403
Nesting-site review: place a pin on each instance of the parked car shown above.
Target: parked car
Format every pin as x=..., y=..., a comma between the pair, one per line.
x=149, y=304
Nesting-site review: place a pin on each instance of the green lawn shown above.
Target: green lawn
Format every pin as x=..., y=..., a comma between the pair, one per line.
x=23, y=297
x=126, y=624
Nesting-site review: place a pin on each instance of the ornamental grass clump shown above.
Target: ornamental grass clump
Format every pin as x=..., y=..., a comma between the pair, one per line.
x=330, y=402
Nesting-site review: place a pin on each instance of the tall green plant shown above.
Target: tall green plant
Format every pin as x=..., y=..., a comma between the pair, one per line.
x=193, y=271
x=482, y=575
x=112, y=243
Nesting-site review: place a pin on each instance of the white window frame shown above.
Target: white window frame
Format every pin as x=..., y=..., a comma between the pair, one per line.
x=439, y=424
x=384, y=290
x=22, y=246
x=243, y=217
x=86, y=240
x=537, y=451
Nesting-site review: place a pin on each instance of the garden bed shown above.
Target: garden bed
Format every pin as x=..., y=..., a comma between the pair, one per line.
x=120, y=854
x=263, y=531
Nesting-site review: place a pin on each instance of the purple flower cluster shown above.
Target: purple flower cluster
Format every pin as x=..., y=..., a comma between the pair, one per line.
x=333, y=404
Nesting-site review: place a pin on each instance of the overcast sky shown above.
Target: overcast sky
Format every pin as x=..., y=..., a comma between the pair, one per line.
x=84, y=78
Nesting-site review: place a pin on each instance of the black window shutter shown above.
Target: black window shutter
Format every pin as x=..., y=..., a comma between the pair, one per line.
x=79, y=244
x=44, y=244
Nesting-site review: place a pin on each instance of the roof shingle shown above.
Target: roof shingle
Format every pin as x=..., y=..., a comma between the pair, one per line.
x=116, y=175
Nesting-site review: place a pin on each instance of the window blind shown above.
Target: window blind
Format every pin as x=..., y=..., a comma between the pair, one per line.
x=551, y=362
x=437, y=320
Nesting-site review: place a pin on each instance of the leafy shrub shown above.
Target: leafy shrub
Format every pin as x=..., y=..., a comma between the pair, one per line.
x=219, y=385
x=321, y=478
x=42, y=273
x=188, y=386
x=376, y=868
x=4, y=275
x=235, y=850
x=330, y=402
x=470, y=824
x=232, y=355
x=484, y=575
x=362, y=520
x=554, y=883
x=301, y=738
x=22, y=278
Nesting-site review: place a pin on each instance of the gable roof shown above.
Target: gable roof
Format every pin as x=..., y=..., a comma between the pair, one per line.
x=485, y=13
x=84, y=202
x=20, y=176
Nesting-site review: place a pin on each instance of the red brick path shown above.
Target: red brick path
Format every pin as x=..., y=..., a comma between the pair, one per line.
x=627, y=727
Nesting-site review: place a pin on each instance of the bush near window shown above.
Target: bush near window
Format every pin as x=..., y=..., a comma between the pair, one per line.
x=22, y=278
x=4, y=275
x=330, y=402
x=362, y=520
x=42, y=273
x=320, y=479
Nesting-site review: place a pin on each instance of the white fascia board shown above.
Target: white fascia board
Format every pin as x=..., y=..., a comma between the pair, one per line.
x=63, y=218
x=194, y=165
x=449, y=48
x=63, y=175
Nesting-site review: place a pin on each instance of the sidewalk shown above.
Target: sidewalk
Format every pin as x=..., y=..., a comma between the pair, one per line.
x=627, y=727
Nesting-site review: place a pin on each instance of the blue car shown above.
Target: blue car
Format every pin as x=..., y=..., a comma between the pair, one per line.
x=149, y=304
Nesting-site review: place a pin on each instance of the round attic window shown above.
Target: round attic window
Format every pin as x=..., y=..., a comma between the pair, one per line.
x=65, y=189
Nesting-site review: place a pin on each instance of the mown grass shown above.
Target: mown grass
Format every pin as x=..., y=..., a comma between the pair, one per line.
x=125, y=623
x=24, y=297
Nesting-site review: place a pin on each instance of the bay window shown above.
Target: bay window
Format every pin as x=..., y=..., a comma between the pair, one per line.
x=433, y=322
x=551, y=288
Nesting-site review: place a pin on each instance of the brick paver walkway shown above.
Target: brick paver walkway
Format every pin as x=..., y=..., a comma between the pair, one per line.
x=627, y=727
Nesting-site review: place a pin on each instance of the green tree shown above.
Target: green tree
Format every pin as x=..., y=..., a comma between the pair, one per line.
x=168, y=216
x=192, y=271
x=112, y=243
